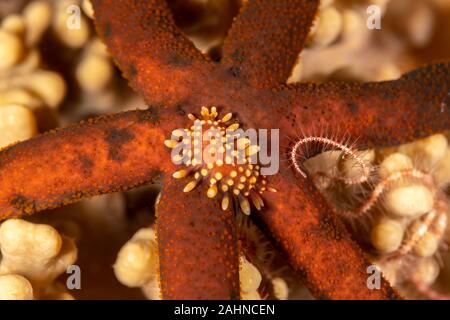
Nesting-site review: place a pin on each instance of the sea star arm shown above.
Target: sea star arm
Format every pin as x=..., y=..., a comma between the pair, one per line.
x=316, y=242
x=266, y=37
x=103, y=155
x=197, y=245
x=378, y=114
x=152, y=52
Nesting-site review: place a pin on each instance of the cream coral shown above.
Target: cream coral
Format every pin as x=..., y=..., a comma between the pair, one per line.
x=15, y=287
x=250, y=278
x=393, y=163
x=11, y=50
x=37, y=16
x=387, y=235
x=427, y=152
x=409, y=201
x=36, y=252
x=71, y=27
x=138, y=262
x=17, y=123
x=94, y=72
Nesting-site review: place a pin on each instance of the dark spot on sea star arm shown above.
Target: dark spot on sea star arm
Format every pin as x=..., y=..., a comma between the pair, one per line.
x=266, y=38
x=151, y=114
x=352, y=107
x=107, y=30
x=180, y=109
x=133, y=71
x=327, y=223
x=22, y=204
x=85, y=163
x=178, y=60
x=116, y=138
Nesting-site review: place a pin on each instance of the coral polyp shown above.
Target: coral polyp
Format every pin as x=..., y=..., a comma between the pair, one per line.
x=215, y=150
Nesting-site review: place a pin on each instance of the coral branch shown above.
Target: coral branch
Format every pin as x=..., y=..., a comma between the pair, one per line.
x=266, y=38
x=317, y=243
x=103, y=155
x=197, y=246
x=151, y=51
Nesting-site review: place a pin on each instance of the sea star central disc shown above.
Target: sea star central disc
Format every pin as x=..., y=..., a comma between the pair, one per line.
x=217, y=151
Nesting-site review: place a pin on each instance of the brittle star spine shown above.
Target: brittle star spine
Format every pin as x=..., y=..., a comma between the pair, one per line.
x=330, y=144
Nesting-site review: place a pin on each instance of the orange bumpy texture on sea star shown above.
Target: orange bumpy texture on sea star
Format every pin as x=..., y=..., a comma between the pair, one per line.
x=126, y=150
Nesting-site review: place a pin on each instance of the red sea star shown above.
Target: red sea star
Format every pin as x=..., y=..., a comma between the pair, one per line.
x=197, y=240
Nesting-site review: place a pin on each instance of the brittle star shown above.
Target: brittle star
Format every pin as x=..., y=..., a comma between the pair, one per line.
x=197, y=239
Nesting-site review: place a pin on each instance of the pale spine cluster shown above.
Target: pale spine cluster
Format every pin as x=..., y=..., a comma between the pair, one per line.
x=233, y=177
